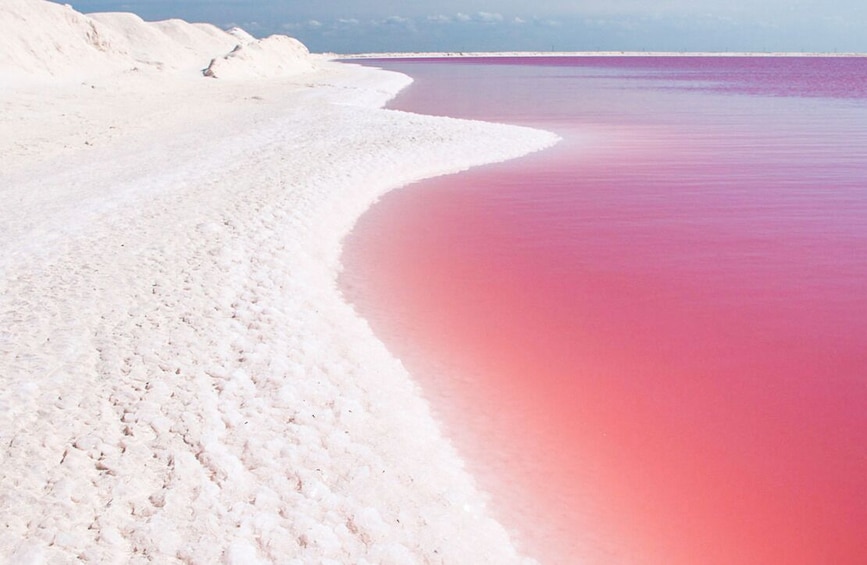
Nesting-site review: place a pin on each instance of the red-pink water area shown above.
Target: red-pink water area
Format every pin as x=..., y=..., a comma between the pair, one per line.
x=649, y=343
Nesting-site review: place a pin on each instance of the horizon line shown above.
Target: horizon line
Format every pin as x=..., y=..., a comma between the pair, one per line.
x=468, y=54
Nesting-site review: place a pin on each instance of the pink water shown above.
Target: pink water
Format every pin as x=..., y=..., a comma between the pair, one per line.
x=650, y=342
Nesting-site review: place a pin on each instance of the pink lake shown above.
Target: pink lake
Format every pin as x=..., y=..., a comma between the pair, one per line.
x=649, y=343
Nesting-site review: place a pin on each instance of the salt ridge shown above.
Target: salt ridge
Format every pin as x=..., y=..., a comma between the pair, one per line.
x=180, y=378
x=42, y=39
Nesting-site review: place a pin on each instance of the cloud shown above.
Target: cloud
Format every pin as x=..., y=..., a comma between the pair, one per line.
x=288, y=26
x=397, y=20
x=489, y=17
x=478, y=17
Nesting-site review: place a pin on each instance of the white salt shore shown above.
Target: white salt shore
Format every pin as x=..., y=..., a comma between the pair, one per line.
x=180, y=378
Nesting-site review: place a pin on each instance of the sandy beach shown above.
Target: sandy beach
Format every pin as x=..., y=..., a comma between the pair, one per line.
x=180, y=378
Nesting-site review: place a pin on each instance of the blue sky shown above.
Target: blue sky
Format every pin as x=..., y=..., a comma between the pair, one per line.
x=354, y=26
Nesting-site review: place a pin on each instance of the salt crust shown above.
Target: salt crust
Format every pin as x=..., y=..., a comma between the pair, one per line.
x=180, y=379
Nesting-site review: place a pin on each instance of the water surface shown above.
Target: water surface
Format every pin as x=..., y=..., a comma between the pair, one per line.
x=649, y=342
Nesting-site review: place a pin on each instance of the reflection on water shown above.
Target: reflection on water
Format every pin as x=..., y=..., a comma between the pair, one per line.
x=649, y=342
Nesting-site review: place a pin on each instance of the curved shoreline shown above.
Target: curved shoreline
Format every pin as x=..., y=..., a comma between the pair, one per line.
x=180, y=376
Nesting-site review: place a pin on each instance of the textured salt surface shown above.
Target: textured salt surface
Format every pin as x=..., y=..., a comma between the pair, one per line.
x=180, y=379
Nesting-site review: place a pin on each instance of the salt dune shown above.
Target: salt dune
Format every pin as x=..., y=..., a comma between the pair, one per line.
x=180, y=378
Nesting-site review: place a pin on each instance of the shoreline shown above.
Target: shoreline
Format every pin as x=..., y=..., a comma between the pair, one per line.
x=180, y=377
x=501, y=54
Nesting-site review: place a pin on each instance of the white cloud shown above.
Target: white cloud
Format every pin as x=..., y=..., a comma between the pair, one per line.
x=396, y=20
x=489, y=17
x=478, y=17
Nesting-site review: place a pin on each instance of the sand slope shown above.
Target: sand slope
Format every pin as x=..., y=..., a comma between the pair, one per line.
x=180, y=380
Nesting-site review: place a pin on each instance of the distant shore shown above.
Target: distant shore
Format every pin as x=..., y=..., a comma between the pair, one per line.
x=591, y=54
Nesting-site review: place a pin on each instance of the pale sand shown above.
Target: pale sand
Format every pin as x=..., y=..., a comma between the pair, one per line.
x=180, y=379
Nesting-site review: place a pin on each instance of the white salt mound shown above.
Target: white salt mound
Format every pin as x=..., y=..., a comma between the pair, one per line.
x=172, y=44
x=276, y=54
x=47, y=38
x=180, y=379
x=242, y=35
x=41, y=38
